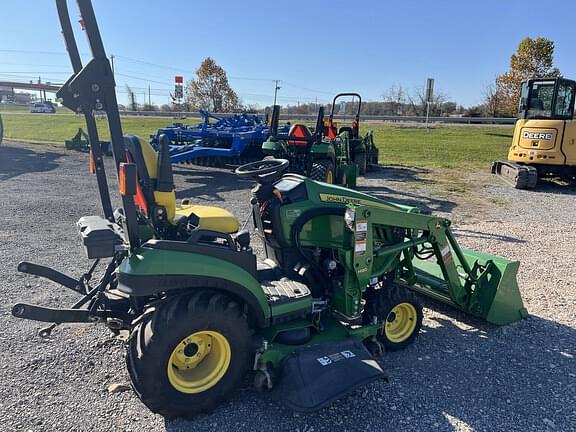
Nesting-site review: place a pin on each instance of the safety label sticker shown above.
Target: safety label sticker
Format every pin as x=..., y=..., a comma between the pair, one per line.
x=336, y=357
x=362, y=226
x=360, y=247
x=446, y=254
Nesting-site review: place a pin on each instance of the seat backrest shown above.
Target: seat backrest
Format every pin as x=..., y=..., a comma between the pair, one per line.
x=146, y=159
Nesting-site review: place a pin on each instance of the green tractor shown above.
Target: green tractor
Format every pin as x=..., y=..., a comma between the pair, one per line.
x=362, y=150
x=336, y=289
x=329, y=154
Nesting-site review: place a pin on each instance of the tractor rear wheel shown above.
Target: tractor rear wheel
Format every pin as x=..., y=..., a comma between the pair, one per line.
x=400, y=313
x=322, y=170
x=188, y=353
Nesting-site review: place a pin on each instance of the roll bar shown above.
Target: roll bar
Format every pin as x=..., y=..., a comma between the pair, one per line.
x=92, y=88
x=356, y=128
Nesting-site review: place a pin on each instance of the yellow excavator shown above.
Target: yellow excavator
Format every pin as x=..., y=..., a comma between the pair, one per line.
x=544, y=142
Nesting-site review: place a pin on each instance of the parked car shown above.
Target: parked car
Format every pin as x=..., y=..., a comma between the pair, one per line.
x=43, y=107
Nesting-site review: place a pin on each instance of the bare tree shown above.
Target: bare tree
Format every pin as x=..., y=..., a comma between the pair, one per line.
x=492, y=100
x=395, y=96
x=132, y=103
x=418, y=103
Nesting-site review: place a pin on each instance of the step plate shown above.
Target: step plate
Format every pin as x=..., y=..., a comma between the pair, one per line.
x=284, y=290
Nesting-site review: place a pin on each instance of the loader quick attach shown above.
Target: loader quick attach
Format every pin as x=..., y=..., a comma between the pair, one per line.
x=337, y=286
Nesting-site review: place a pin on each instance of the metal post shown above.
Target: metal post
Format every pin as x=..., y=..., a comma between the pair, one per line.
x=112, y=61
x=276, y=88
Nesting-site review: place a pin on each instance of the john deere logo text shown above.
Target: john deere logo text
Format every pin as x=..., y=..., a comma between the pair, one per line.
x=537, y=135
x=351, y=200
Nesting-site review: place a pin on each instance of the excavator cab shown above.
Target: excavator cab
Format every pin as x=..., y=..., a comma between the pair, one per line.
x=547, y=99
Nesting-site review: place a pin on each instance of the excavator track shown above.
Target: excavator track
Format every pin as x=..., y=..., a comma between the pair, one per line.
x=519, y=176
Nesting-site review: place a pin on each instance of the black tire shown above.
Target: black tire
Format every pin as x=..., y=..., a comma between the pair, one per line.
x=361, y=162
x=395, y=305
x=373, y=161
x=322, y=170
x=155, y=339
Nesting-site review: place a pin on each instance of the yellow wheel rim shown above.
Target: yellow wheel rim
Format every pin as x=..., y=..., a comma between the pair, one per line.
x=330, y=177
x=400, y=322
x=199, y=361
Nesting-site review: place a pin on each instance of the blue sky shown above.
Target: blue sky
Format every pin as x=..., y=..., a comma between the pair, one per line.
x=317, y=48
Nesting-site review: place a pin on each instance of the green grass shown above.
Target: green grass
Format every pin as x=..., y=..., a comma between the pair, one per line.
x=441, y=147
x=56, y=128
x=14, y=108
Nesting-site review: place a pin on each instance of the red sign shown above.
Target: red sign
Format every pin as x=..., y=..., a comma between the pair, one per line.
x=178, y=79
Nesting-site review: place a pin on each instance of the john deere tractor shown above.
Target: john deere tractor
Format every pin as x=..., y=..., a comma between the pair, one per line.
x=336, y=288
x=329, y=154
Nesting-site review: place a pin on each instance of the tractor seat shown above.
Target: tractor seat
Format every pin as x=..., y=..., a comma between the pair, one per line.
x=211, y=218
x=299, y=130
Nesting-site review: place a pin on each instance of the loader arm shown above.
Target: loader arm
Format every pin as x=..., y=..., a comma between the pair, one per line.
x=432, y=263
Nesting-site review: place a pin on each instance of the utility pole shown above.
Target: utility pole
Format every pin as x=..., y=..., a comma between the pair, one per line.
x=149, y=100
x=276, y=88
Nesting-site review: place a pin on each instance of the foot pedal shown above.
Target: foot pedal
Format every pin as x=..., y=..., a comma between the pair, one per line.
x=314, y=377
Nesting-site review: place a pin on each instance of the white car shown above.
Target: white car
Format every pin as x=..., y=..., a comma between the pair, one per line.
x=43, y=107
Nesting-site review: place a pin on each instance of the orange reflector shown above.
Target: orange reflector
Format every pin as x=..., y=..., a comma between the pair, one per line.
x=92, y=166
x=122, y=179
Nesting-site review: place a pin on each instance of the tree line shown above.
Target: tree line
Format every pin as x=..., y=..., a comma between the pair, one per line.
x=534, y=58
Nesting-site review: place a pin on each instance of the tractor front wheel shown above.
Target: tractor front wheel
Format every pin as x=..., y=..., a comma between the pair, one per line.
x=323, y=170
x=400, y=313
x=189, y=353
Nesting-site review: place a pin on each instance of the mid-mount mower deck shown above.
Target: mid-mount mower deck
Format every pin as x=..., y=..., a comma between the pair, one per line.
x=336, y=288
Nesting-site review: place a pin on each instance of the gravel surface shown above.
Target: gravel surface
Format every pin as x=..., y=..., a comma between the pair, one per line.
x=461, y=374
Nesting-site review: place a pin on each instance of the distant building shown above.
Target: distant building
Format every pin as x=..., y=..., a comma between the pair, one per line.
x=7, y=94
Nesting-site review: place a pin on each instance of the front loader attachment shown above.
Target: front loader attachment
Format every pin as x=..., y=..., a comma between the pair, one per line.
x=490, y=293
x=429, y=261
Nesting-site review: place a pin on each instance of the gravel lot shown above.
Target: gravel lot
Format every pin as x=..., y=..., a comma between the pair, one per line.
x=460, y=375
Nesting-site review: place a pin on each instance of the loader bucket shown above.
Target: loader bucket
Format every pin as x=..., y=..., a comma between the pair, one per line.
x=491, y=293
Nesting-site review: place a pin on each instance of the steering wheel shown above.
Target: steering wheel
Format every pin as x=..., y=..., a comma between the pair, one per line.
x=264, y=171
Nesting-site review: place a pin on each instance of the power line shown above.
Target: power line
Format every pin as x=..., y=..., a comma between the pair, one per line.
x=142, y=79
x=307, y=89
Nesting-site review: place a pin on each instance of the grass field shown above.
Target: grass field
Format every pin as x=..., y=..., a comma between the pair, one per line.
x=444, y=146
x=441, y=147
x=56, y=128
